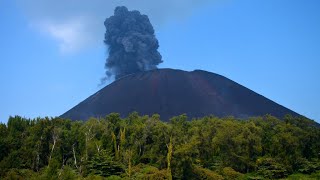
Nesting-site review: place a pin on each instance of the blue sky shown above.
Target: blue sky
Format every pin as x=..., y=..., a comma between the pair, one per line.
x=52, y=56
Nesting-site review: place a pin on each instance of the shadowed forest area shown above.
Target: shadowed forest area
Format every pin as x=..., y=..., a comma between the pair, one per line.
x=143, y=147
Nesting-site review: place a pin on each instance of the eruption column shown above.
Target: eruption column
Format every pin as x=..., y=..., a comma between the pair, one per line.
x=131, y=42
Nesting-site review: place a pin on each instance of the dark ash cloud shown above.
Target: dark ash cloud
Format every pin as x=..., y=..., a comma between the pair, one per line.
x=132, y=44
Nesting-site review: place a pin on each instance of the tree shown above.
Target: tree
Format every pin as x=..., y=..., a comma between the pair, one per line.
x=103, y=164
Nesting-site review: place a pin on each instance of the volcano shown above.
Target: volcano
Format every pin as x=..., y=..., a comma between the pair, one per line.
x=170, y=92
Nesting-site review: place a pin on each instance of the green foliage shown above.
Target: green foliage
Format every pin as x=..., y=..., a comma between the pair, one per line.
x=307, y=167
x=113, y=177
x=3, y=144
x=102, y=164
x=270, y=168
x=67, y=173
x=93, y=177
x=148, y=172
x=230, y=173
x=143, y=147
x=202, y=173
x=20, y=174
x=51, y=171
x=313, y=176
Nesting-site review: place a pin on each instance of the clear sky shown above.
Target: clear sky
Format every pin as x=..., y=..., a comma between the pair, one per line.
x=52, y=54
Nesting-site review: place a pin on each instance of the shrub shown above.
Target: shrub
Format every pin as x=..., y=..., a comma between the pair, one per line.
x=270, y=168
x=20, y=174
x=146, y=172
x=307, y=167
x=68, y=173
x=113, y=177
x=202, y=173
x=230, y=173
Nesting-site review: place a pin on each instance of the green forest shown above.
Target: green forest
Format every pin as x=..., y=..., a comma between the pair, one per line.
x=144, y=147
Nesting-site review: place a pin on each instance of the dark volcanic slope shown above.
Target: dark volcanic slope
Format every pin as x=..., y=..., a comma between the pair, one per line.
x=171, y=92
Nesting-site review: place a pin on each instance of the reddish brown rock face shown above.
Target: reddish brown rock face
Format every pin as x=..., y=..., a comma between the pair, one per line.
x=171, y=92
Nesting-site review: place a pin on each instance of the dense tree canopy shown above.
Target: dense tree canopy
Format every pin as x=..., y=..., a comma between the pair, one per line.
x=143, y=147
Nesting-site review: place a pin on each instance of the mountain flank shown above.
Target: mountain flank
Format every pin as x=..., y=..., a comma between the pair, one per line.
x=170, y=92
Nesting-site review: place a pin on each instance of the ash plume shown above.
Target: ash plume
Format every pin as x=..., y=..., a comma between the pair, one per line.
x=131, y=42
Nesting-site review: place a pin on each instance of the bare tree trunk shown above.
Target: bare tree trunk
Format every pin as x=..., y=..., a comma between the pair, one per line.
x=89, y=136
x=38, y=155
x=74, y=156
x=122, y=142
x=86, y=148
x=55, y=137
x=63, y=162
x=54, y=143
x=115, y=145
x=98, y=147
x=128, y=155
x=38, y=161
x=169, y=157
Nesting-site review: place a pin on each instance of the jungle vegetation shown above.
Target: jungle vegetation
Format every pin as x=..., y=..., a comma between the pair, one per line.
x=143, y=147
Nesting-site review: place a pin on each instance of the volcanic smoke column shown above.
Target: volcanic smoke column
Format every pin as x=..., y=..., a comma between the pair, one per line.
x=131, y=42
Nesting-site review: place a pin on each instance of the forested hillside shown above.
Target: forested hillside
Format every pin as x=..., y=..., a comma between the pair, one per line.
x=147, y=148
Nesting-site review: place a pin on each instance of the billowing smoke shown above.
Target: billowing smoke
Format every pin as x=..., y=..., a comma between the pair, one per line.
x=131, y=42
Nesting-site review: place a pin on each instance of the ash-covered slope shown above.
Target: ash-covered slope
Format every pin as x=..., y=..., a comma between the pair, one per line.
x=171, y=92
